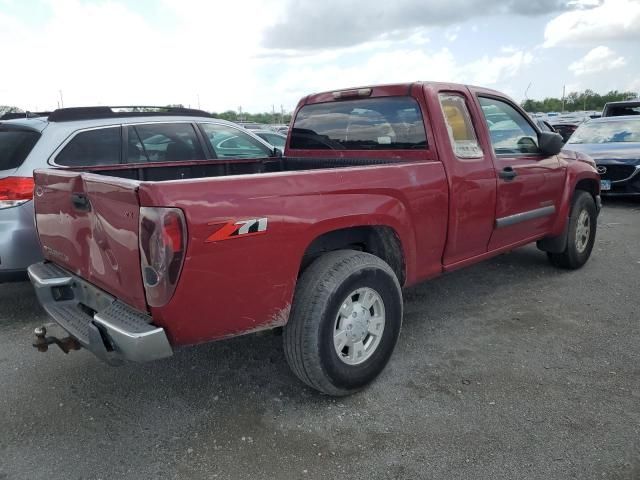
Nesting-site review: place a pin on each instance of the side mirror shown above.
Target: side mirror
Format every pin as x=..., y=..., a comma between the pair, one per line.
x=550, y=143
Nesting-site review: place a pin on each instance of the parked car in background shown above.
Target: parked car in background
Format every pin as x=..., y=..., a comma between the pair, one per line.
x=379, y=188
x=543, y=124
x=567, y=123
x=86, y=137
x=565, y=129
x=275, y=139
x=621, y=109
x=614, y=143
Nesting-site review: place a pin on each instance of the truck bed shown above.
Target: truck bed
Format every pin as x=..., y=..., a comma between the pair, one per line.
x=159, y=172
x=88, y=223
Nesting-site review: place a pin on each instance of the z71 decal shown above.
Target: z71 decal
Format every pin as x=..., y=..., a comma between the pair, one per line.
x=242, y=228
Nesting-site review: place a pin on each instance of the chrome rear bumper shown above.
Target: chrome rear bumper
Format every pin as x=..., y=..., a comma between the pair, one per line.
x=110, y=329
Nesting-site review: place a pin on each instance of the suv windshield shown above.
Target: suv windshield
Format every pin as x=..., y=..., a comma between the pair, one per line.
x=607, y=132
x=15, y=145
x=388, y=123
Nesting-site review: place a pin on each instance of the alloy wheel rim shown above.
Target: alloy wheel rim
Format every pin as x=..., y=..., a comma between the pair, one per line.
x=583, y=231
x=359, y=326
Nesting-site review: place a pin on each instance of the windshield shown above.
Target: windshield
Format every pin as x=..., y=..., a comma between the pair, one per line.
x=624, y=131
x=15, y=145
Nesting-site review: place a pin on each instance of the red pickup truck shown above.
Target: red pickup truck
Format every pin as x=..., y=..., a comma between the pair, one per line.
x=378, y=188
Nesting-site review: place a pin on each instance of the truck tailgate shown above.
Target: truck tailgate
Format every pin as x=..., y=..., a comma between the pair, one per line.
x=88, y=224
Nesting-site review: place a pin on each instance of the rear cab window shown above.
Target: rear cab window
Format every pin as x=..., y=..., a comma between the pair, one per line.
x=15, y=145
x=383, y=123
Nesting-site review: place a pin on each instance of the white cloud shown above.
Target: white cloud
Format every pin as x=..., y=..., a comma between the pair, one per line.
x=634, y=86
x=106, y=53
x=596, y=60
x=491, y=70
x=611, y=20
x=452, y=34
x=409, y=63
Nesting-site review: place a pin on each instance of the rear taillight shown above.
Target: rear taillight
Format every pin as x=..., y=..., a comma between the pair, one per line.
x=163, y=233
x=15, y=191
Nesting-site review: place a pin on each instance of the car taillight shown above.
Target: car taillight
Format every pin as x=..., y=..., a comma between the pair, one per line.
x=15, y=191
x=162, y=237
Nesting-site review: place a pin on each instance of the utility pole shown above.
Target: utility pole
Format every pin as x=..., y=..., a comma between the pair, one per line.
x=198, y=96
x=563, y=92
x=61, y=99
x=281, y=114
x=273, y=114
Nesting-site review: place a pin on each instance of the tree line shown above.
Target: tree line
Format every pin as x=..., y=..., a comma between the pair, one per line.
x=264, y=117
x=8, y=109
x=576, y=101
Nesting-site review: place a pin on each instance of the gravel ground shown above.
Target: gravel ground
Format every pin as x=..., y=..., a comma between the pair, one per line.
x=509, y=369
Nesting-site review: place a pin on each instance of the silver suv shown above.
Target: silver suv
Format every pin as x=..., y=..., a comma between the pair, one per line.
x=90, y=136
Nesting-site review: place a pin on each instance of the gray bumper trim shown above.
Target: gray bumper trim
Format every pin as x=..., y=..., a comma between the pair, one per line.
x=115, y=332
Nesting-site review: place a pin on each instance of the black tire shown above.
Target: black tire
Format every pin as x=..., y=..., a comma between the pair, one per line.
x=320, y=293
x=573, y=257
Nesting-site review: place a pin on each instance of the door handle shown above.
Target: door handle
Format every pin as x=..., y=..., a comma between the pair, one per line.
x=80, y=202
x=508, y=173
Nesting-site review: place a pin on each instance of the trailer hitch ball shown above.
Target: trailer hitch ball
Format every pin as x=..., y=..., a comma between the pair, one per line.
x=42, y=342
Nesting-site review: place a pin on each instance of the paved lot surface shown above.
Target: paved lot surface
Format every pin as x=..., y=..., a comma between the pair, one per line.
x=506, y=370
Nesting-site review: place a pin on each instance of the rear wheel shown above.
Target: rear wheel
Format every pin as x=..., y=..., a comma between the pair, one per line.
x=581, y=233
x=344, y=323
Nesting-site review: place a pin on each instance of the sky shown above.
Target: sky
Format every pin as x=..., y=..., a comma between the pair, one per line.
x=260, y=55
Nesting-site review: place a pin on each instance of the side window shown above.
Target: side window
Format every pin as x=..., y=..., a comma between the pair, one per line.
x=229, y=142
x=163, y=142
x=273, y=139
x=101, y=146
x=461, y=133
x=510, y=132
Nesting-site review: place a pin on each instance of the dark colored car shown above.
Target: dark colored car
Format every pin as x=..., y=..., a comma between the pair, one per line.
x=614, y=143
x=566, y=124
x=565, y=130
x=622, y=109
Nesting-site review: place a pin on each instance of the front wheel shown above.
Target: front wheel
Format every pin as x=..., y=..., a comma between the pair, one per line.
x=344, y=323
x=581, y=233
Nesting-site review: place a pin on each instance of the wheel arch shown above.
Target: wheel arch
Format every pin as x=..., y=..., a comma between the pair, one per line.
x=382, y=241
x=588, y=185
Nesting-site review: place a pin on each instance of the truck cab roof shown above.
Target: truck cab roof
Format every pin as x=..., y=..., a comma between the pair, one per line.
x=391, y=89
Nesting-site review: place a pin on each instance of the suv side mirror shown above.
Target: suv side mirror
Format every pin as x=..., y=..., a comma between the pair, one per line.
x=550, y=143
